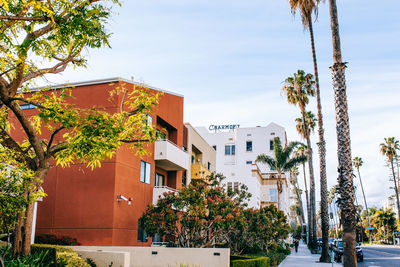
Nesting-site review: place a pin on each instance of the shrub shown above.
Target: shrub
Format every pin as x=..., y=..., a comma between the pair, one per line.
x=60, y=256
x=56, y=240
x=32, y=260
x=275, y=257
x=252, y=262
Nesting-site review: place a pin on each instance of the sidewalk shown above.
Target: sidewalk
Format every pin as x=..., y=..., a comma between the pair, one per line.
x=304, y=258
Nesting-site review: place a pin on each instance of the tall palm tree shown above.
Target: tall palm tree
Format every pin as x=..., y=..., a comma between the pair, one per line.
x=283, y=161
x=306, y=8
x=346, y=190
x=389, y=149
x=301, y=151
x=357, y=163
x=298, y=89
x=294, y=172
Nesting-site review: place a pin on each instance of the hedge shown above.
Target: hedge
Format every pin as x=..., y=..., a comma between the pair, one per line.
x=252, y=262
x=61, y=256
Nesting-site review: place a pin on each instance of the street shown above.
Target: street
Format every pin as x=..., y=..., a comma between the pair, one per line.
x=383, y=256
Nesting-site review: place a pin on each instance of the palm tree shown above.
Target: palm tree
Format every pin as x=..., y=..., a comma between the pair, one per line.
x=298, y=89
x=310, y=123
x=301, y=151
x=346, y=190
x=282, y=161
x=294, y=172
x=306, y=8
x=357, y=163
x=389, y=149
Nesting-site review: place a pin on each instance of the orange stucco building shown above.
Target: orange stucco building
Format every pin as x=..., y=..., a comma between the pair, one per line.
x=102, y=206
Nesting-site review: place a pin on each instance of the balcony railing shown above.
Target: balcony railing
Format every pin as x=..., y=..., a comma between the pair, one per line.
x=158, y=192
x=169, y=156
x=199, y=172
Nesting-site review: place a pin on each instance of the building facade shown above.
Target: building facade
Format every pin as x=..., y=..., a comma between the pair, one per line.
x=102, y=206
x=202, y=155
x=237, y=149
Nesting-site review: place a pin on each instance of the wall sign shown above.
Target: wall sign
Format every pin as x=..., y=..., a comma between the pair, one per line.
x=223, y=127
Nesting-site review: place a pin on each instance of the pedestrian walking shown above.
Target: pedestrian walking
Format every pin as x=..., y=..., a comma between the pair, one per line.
x=296, y=245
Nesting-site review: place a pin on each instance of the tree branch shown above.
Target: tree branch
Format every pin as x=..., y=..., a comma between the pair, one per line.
x=52, y=137
x=17, y=17
x=56, y=148
x=134, y=141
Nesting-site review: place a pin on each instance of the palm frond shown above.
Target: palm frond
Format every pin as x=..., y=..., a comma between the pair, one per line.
x=294, y=162
x=267, y=160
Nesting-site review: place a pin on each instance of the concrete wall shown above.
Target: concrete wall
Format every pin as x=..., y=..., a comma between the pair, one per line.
x=156, y=256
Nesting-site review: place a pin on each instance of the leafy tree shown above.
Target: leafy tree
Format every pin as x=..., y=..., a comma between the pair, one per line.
x=44, y=37
x=306, y=8
x=265, y=228
x=283, y=161
x=346, y=189
x=298, y=89
x=389, y=149
x=199, y=215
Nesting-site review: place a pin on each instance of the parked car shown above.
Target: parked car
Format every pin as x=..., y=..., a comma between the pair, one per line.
x=319, y=241
x=338, y=251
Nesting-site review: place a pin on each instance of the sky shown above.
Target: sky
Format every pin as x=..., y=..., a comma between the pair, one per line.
x=229, y=59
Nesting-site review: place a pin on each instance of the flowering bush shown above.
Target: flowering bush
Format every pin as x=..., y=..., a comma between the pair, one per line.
x=205, y=215
x=56, y=240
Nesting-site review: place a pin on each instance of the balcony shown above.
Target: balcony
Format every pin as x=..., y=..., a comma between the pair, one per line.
x=199, y=172
x=159, y=191
x=169, y=156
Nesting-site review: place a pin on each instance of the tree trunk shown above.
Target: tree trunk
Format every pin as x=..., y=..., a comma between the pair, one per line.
x=313, y=241
x=396, y=191
x=23, y=230
x=300, y=202
x=365, y=199
x=346, y=189
x=325, y=257
x=308, y=206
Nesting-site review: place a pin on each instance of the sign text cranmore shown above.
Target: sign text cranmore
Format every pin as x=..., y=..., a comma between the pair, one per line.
x=223, y=127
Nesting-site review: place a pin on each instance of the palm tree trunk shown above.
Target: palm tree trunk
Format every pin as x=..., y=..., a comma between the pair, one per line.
x=396, y=191
x=308, y=206
x=313, y=241
x=297, y=188
x=325, y=257
x=346, y=189
x=365, y=199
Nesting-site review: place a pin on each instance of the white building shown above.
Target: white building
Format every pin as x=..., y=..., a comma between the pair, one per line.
x=237, y=149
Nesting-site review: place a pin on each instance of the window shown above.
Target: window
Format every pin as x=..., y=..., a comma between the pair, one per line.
x=209, y=166
x=230, y=150
x=192, y=159
x=27, y=106
x=145, y=172
x=215, y=148
x=273, y=195
x=271, y=144
x=149, y=120
x=236, y=186
x=184, y=178
x=272, y=133
x=142, y=235
x=272, y=168
x=249, y=146
x=249, y=162
x=159, y=180
x=229, y=186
